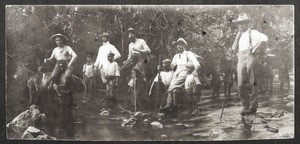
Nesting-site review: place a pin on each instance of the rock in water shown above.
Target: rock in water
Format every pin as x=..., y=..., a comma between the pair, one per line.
x=105, y=113
x=163, y=136
x=156, y=125
x=277, y=114
x=32, y=133
x=290, y=104
x=218, y=134
x=271, y=129
x=129, y=123
x=30, y=117
x=290, y=97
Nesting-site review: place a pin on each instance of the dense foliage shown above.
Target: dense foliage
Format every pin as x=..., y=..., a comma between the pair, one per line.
x=29, y=28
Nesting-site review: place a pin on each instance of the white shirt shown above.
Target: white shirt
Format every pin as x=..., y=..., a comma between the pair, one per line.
x=112, y=69
x=101, y=61
x=256, y=37
x=166, y=77
x=139, y=44
x=62, y=53
x=88, y=69
x=181, y=59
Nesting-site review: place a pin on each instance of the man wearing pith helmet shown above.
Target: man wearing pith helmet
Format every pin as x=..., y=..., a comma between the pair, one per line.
x=65, y=57
x=101, y=61
x=247, y=42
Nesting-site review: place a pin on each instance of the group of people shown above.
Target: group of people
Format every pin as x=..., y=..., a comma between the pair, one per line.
x=179, y=74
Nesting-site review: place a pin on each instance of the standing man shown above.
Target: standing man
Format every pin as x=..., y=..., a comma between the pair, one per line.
x=101, y=61
x=65, y=57
x=247, y=42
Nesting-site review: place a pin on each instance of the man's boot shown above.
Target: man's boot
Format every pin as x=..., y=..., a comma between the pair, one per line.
x=169, y=103
x=174, y=108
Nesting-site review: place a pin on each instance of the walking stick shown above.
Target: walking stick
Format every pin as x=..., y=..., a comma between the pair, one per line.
x=231, y=71
x=134, y=94
x=157, y=86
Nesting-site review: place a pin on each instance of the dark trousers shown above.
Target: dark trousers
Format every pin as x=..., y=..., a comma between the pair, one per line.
x=111, y=87
x=90, y=86
x=61, y=73
x=247, y=80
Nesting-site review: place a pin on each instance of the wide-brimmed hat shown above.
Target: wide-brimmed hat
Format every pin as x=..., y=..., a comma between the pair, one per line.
x=166, y=61
x=180, y=40
x=243, y=18
x=105, y=34
x=58, y=35
x=130, y=30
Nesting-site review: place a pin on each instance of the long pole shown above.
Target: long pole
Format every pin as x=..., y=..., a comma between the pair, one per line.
x=134, y=94
x=231, y=71
x=157, y=86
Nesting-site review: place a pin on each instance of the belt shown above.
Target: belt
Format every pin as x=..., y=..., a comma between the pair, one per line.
x=62, y=62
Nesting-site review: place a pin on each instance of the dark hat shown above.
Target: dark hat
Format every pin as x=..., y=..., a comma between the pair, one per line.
x=58, y=35
x=180, y=40
x=105, y=34
x=166, y=61
x=243, y=18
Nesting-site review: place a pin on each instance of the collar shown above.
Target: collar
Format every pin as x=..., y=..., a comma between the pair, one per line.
x=106, y=43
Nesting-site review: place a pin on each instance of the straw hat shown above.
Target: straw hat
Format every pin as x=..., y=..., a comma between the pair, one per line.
x=166, y=61
x=105, y=34
x=58, y=35
x=243, y=18
x=180, y=40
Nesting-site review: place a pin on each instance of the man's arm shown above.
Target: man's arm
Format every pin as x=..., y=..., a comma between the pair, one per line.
x=260, y=37
x=74, y=56
x=145, y=49
x=236, y=40
x=116, y=52
x=51, y=57
x=129, y=52
x=97, y=62
x=193, y=59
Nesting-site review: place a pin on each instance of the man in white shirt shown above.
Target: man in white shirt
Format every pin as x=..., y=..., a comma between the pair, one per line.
x=179, y=77
x=101, y=62
x=138, y=46
x=65, y=57
x=247, y=42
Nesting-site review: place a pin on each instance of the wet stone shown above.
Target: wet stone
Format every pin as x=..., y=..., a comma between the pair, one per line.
x=32, y=133
x=30, y=117
x=290, y=97
x=290, y=104
x=157, y=125
x=277, y=114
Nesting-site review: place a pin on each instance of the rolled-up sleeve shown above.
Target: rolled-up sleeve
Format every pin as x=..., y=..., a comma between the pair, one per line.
x=116, y=52
x=144, y=45
x=258, y=36
x=193, y=59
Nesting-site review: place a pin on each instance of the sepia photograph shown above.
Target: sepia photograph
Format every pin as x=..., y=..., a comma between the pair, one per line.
x=149, y=72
